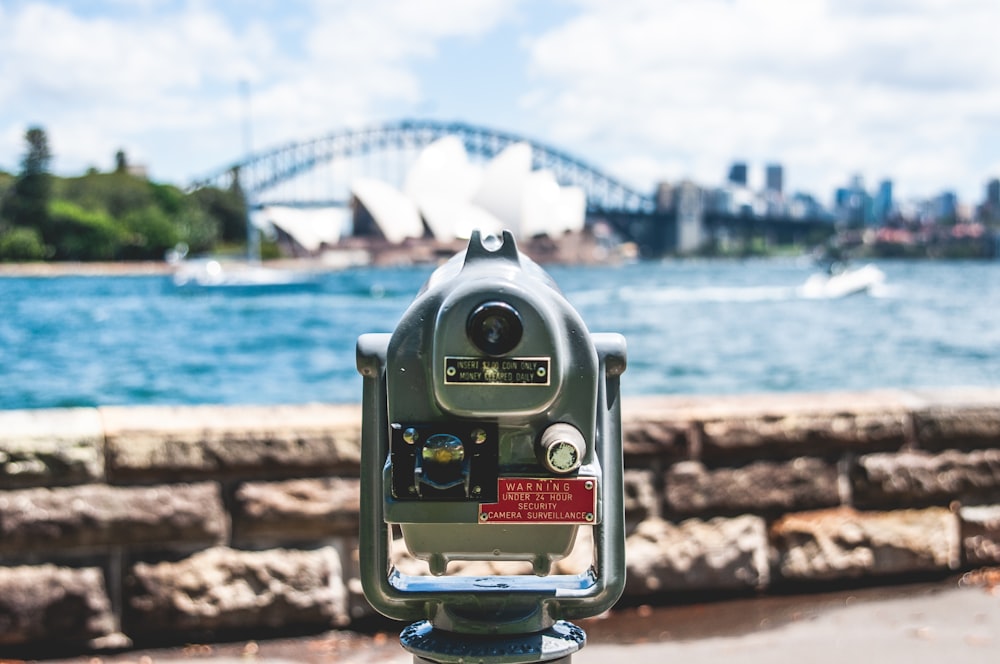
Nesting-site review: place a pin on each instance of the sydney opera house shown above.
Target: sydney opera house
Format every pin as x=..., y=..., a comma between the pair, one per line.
x=444, y=197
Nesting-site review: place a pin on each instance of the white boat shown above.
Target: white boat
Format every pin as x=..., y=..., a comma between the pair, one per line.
x=214, y=275
x=843, y=283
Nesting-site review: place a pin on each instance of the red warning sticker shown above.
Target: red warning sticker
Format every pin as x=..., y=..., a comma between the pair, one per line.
x=542, y=500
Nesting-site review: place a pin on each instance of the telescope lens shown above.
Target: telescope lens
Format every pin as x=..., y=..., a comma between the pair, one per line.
x=495, y=328
x=443, y=461
x=442, y=449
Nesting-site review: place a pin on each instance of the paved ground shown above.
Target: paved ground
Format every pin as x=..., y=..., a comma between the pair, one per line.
x=962, y=625
x=912, y=624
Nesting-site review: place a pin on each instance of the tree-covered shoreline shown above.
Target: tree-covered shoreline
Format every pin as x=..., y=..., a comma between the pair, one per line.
x=107, y=216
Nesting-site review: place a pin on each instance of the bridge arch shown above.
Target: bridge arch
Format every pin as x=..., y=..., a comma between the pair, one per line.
x=263, y=170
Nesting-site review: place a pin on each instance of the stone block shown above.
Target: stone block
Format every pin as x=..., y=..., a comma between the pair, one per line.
x=738, y=428
x=793, y=434
x=642, y=499
x=759, y=487
x=225, y=589
x=917, y=478
x=297, y=510
x=650, y=428
x=49, y=605
x=184, y=442
x=718, y=554
x=51, y=447
x=95, y=516
x=981, y=535
x=845, y=543
x=958, y=425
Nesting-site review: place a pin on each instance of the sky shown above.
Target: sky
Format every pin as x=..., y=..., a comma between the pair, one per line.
x=646, y=90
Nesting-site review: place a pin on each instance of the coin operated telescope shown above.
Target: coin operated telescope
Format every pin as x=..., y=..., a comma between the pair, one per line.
x=491, y=432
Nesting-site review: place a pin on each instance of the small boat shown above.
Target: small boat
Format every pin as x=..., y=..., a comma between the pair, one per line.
x=245, y=278
x=842, y=283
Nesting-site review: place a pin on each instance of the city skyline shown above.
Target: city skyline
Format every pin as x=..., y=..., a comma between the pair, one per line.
x=647, y=91
x=880, y=194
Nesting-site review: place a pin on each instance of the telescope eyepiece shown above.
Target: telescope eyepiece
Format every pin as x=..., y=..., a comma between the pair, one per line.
x=495, y=328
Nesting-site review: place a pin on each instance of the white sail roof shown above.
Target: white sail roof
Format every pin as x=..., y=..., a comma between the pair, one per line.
x=311, y=228
x=453, y=196
x=551, y=209
x=504, y=179
x=450, y=218
x=394, y=213
x=443, y=169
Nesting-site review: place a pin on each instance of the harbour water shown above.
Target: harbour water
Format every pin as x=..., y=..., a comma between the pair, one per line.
x=693, y=327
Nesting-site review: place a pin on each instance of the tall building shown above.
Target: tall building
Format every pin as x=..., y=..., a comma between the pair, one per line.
x=774, y=178
x=993, y=193
x=945, y=206
x=664, y=197
x=882, y=205
x=841, y=196
x=690, y=214
x=854, y=206
x=990, y=209
x=738, y=173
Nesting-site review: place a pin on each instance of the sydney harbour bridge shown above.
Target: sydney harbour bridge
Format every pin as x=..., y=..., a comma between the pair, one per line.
x=317, y=173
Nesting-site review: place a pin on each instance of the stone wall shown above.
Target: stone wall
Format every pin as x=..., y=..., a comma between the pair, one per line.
x=134, y=525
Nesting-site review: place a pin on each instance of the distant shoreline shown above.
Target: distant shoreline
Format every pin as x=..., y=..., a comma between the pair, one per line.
x=74, y=268
x=140, y=268
x=421, y=253
x=571, y=249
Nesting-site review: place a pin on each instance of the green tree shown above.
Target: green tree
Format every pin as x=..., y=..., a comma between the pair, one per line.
x=22, y=244
x=84, y=235
x=27, y=204
x=168, y=198
x=107, y=216
x=228, y=208
x=117, y=194
x=121, y=162
x=6, y=183
x=150, y=234
x=200, y=230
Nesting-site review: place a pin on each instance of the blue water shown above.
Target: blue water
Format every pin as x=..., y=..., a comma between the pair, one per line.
x=708, y=327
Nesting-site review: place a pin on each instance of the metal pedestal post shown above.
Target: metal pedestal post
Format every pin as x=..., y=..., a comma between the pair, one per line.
x=554, y=645
x=568, y=659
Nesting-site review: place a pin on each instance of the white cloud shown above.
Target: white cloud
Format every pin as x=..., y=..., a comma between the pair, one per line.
x=97, y=84
x=646, y=89
x=162, y=78
x=890, y=89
